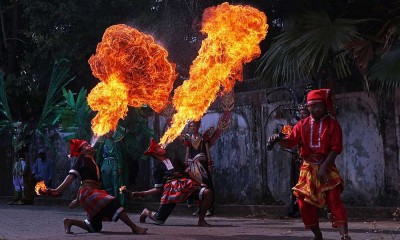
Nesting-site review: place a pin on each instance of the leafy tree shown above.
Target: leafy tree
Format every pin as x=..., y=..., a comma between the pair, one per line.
x=330, y=44
x=58, y=80
x=22, y=132
x=74, y=115
x=311, y=43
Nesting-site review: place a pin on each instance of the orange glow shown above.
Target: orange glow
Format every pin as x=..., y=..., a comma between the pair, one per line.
x=40, y=188
x=287, y=129
x=233, y=37
x=134, y=71
x=110, y=100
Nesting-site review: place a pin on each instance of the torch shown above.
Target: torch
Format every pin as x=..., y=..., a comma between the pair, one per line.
x=41, y=189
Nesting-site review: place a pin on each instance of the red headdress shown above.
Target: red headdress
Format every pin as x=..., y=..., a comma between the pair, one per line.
x=321, y=96
x=74, y=145
x=152, y=148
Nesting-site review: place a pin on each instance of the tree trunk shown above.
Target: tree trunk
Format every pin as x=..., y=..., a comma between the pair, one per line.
x=13, y=43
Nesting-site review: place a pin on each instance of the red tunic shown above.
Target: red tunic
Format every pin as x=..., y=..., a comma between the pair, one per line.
x=318, y=139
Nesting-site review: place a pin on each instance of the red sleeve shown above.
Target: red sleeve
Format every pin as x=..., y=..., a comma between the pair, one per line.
x=337, y=138
x=294, y=137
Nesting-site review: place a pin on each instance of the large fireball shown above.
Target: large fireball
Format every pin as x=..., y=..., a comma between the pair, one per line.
x=233, y=37
x=134, y=71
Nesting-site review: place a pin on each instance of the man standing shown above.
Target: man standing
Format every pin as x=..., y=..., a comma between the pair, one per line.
x=19, y=168
x=112, y=165
x=198, y=158
x=42, y=170
x=319, y=182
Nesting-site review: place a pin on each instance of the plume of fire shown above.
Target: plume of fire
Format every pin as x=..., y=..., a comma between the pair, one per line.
x=40, y=188
x=233, y=36
x=134, y=71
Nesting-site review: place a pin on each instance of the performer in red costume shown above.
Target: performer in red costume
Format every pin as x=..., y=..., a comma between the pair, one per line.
x=319, y=183
x=174, y=187
x=98, y=204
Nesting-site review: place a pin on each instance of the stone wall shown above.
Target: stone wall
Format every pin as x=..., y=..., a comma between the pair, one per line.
x=246, y=173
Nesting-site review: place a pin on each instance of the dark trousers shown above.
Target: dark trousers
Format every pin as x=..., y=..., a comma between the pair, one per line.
x=164, y=211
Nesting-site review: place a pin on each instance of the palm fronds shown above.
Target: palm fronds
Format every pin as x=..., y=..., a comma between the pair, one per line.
x=387, y=70
x=59, y=79
x=390, y=31
x=75, y=115
x=309, y=43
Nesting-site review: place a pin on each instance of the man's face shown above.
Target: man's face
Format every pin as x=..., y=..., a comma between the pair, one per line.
x=86, y=149
x=304, y=113
x=317, y=110
x=194, y=127
x=160, y=151
x=42, y=156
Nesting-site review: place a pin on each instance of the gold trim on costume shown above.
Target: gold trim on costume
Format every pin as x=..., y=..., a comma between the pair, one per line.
x=195, y=141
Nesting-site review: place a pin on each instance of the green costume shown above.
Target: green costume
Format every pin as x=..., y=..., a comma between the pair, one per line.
x=113, y=166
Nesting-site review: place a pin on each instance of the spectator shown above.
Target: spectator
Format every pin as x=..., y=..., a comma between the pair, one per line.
x=19, y=168
x=42, y=170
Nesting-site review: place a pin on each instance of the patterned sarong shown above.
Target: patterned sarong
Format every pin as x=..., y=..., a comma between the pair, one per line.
x=311, y=188
x=178, y=190
x=93, y=199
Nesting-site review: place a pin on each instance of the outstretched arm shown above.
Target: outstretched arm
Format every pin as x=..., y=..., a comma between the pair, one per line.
x=143, y=194
x=281, y=141
x=67, y=181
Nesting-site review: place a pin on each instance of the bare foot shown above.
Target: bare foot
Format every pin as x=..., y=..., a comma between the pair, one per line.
x=203, y=223
x=67, y=225
x=144, y=215
x=138, y=230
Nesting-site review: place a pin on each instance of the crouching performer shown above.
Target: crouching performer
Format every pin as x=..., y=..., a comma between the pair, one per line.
x=175, y=188
x=98, y=204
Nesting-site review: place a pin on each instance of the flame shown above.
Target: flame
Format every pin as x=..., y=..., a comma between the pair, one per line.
x=111, y=101
x=134, y=71
x=233, y=37
x=287, y=129
x=40, y=188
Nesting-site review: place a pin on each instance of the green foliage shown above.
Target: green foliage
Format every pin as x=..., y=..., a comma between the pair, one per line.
x=5, y=114
x=387, y=70
x=74, y=115
x=309, y=43
x=21, y=133
x=59, y=79
x=385, y=67
x=331, y=46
